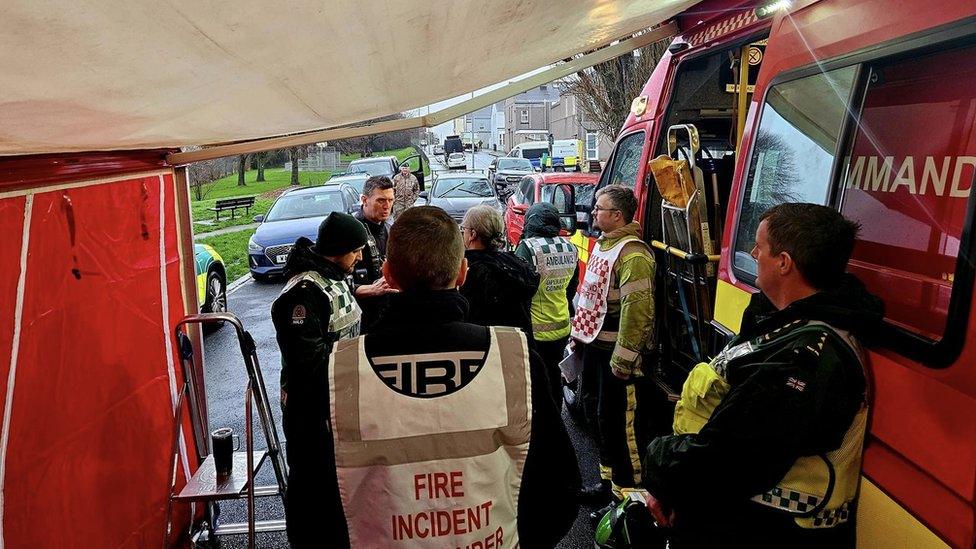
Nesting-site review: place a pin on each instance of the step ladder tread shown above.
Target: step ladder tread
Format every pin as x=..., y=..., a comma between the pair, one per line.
x=205, y=485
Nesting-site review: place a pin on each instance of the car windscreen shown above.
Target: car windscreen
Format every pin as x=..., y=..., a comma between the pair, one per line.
x=458, y=187
x=379, y=167
x=297, y=206
x=515, y=164
x=533, y=153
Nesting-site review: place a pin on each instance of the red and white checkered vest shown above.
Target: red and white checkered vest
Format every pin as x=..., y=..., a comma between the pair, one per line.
x=591, y=309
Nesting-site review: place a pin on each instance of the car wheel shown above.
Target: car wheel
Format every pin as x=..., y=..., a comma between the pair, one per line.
x=216, y=298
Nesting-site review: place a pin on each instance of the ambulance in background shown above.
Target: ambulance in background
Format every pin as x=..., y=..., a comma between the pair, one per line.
x=869, y=107
x=565, y=156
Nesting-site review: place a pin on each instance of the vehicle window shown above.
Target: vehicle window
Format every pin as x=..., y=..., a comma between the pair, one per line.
x=527, y=191
x=793, y=151
x=626, y=160
x=533, y=153
x=515, y=164
x=558, y=196
x=297, y=206
x=463, y=187
x=908, y=181
x=584, y=195
x=376, y=167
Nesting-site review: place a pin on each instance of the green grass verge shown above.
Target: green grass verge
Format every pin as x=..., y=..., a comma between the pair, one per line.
x=198, y=211
x=275, y=178
x=232, y=247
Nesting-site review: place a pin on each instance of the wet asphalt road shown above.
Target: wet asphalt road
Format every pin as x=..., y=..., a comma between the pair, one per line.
x=226, y=378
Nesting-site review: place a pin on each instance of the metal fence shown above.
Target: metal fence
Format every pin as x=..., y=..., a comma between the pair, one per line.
x=318, y=160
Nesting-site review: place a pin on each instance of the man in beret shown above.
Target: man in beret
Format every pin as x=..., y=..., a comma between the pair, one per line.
x=314, y=310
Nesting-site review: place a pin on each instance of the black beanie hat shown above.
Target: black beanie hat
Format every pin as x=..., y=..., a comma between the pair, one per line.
x=339, y=234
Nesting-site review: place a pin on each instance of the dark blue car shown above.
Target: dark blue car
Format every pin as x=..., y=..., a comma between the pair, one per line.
x=296, y=213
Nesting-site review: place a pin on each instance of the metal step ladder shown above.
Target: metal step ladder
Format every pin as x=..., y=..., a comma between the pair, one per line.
x=689, y=262
x=204, y=485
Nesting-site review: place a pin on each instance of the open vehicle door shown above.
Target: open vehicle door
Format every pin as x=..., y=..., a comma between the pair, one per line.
x=416, y=163
x=563, y=197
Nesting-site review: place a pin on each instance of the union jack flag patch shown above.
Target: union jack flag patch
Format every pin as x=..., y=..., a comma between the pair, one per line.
x=794, y=383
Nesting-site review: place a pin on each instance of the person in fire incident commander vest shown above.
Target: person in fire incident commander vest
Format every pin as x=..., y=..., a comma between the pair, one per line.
x=314, y=310
x=444, y=433
x=614, y=324
x=767, y=442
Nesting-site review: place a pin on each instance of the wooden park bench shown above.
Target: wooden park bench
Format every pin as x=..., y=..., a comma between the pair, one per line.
x=233, y=204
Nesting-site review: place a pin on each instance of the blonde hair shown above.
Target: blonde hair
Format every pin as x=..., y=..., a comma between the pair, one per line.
x=488, y=226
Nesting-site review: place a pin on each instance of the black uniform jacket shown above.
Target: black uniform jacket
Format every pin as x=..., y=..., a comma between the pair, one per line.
x=367, y=271
x=765, y=423
x=433, y=322
x=499, y=289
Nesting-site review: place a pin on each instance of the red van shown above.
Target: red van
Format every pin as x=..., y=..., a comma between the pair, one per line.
x=564, y=190
x=867, y=106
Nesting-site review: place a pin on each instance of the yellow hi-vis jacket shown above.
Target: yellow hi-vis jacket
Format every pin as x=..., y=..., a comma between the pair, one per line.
x=818, y=490
x=555, y=259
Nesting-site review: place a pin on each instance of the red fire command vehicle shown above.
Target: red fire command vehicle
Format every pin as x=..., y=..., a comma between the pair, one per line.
x=867, y=106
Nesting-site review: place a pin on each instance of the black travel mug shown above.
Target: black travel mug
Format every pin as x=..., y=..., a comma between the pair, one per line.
x=223, y=450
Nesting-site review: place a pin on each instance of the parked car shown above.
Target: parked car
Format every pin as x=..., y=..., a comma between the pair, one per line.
x=211, y=279
x=388, y=166
x=295, y=213
x=354, y=180
x=506, y=172
x=563, y=190
x=375, y=165
x=457, y=192
x=439, y=150
x=456, y=161
x=452, y=144
x=211, y=282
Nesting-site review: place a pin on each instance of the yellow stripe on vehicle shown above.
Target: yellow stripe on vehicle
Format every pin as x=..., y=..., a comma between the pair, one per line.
x=882, y=523
x=730, y=303
x=202, y=287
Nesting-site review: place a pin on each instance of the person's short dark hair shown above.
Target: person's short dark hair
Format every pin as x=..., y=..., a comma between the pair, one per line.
x=622, y=198
x=425, y=249
x=819, y=239
x=380, y=182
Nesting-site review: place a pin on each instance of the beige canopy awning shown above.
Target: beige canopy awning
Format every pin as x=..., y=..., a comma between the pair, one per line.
x=86, y=75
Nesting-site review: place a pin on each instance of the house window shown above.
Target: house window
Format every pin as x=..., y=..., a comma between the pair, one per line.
x=592, y=146
x=524, y=116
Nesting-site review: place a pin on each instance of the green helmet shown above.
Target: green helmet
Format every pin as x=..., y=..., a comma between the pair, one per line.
x=628, y=525
x=611, y=532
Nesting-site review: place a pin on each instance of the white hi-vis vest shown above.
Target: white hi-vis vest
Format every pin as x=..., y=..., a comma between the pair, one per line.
x=555, y=259
x=346, y=314
x=429, y=449
x=817, y=490
x=594, y=292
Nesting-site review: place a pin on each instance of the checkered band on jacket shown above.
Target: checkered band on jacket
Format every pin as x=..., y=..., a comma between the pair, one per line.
x=344, y=321
x=594, y=291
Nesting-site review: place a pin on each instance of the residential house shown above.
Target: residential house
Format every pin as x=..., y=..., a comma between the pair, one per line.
x=527, y=115
x=567, y=121
x=478, y=123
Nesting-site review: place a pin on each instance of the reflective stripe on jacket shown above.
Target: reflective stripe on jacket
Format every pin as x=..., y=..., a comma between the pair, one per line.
x=555, y=259
x=818, y=490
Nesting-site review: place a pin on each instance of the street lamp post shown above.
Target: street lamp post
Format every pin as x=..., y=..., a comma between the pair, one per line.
x=472, y=136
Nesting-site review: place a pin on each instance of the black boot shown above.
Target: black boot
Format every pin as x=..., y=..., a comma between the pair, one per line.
x=595, y=516
x=596, y=492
